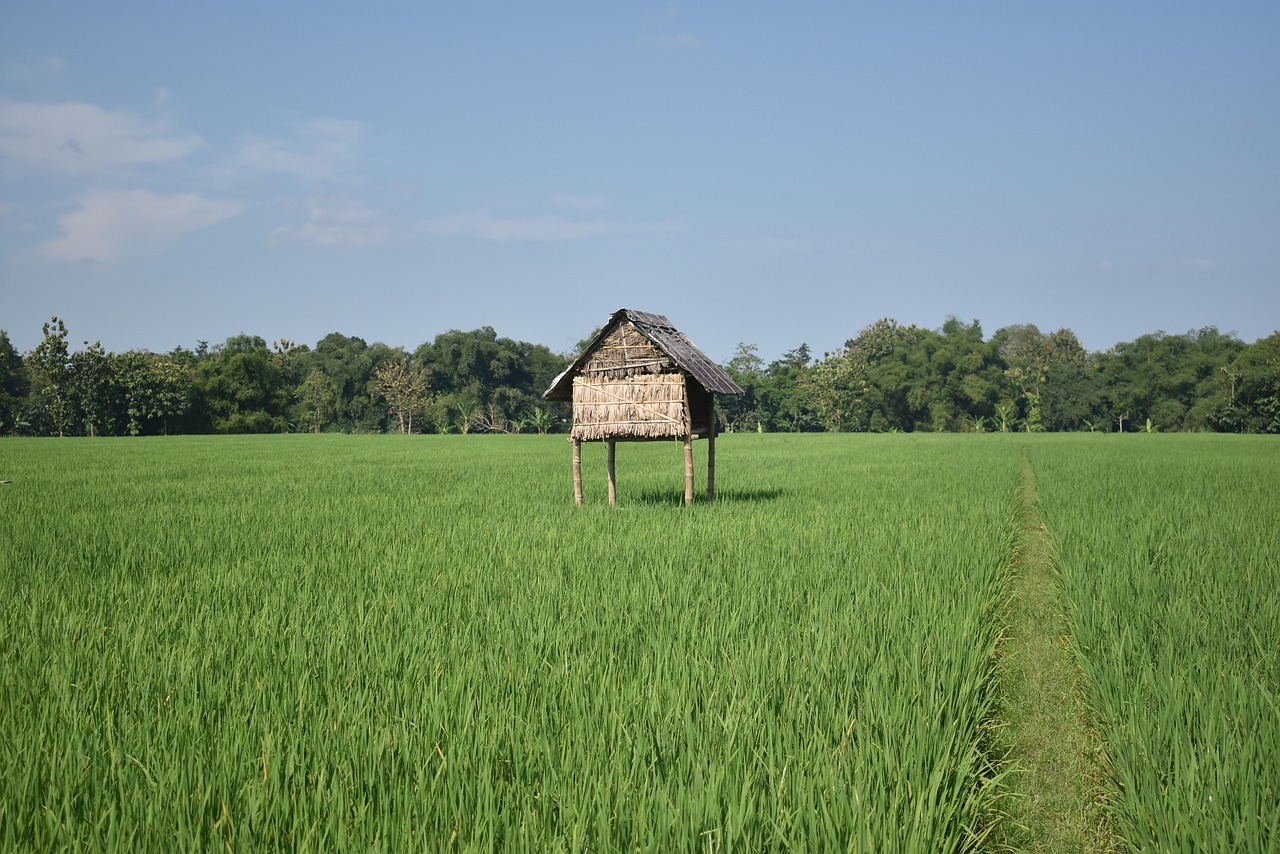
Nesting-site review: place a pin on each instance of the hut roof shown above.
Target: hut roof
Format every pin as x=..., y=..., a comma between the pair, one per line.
x=667, y=338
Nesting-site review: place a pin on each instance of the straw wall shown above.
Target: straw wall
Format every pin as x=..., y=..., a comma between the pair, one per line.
x=646, y=406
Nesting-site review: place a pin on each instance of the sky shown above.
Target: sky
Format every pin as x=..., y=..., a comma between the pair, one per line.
x=760, y=172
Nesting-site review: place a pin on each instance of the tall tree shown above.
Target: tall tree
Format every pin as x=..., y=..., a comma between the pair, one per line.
x=781, y=396
x=93, y=389
x=743, y=411
x=349, y=361
x=875, y=382
x=154, y=390
x=13, y=386
x=50, y=365
x=241, y=388
x=317, y=397
x=1034, y=365
x=963, y=374
x=404, y=388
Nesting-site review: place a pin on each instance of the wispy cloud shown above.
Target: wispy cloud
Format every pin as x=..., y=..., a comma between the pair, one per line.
x=33, y=70
x=119, y=226
x=1202, y=263
x=316, y=148
x=485, y=226
x=672, y=41
x=78, y=137
x=542, y=229
x=338, y=221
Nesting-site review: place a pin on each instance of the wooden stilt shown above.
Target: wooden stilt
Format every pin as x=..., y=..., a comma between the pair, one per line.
x=577, y=472
x=711, y=457
x=613, y=480
x=688, y=470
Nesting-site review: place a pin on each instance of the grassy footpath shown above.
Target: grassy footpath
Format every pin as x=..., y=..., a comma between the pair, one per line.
x=1056, y=801
x=1167, y=547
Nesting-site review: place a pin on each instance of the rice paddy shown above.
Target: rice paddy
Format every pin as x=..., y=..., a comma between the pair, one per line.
x=401, y=643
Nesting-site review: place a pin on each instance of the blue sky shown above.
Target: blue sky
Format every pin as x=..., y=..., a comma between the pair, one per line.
x=765, y=172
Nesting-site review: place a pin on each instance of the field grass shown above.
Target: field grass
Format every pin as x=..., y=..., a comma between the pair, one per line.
x=1056, y=800
x=400, y=643
x=1169, y=553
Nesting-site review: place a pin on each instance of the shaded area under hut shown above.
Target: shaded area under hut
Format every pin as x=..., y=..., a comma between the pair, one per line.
x=641, y=379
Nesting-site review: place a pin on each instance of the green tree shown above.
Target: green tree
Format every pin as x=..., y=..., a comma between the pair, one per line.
x=542, y=421
x=92, y=389
x=318, y=400
x=13, y=387
x=1176, y=380
x=488, y=382
x=962, y=374
x=744, y=411
x=153, y=390
x=1252, y=404
x=349, y=361
x=241, y=389
x=50, y=365
x=875, y=383
x=1037, y=366
x=289, y=357
x=781, y=397
x=1006, y=415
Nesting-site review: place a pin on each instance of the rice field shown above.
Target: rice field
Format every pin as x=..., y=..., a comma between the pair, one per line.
x=400, y=643
x=1169, y=554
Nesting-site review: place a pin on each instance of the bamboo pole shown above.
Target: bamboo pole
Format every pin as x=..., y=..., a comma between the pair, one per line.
x=688, y=469
x=711, y=454
x=613, y=480
x=577, y=472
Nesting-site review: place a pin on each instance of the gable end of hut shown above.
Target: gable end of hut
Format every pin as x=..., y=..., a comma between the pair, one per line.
x=627, y=388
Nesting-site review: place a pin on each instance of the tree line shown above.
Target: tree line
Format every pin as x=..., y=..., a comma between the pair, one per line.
x=890, y=377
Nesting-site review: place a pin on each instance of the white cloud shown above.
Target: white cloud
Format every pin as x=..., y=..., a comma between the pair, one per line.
x=1202, y=263
x=318, y=148
x=338, y=221
x=77, y=137
x=119, y=226
x=542, y=229
x=673, y=41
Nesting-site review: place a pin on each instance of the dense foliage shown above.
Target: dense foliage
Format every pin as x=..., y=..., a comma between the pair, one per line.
x=459, y=382
x=891, y=377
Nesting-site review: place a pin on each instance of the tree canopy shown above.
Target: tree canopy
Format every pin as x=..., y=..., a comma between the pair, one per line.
x=888, y=377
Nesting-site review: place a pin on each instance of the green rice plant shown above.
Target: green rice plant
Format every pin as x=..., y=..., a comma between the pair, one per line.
x=1168, y=553
x=332, y=642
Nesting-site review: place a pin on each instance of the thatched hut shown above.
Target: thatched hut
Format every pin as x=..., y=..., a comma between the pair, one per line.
x=641, y=379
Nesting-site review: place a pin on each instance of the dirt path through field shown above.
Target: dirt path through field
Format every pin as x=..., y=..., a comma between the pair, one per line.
x=1056, y=804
